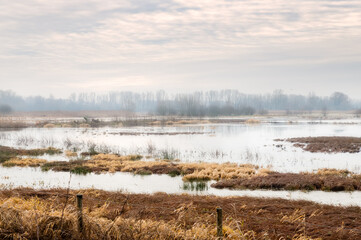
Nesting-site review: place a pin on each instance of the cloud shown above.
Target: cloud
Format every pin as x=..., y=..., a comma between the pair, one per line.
x=58, y=40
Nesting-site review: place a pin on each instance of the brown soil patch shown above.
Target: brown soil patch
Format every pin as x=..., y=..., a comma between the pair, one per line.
x=328, y=144
x=259, y=218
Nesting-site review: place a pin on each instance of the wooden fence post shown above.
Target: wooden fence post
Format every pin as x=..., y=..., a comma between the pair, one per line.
x=219, y=223
x=79, y=200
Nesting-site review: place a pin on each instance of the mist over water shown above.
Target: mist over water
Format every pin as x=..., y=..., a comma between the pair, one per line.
x=198, y=103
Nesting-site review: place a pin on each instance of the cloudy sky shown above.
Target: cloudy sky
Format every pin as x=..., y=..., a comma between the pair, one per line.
x=254, y=46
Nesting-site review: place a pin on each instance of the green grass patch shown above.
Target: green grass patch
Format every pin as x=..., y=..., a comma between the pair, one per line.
x=81, y=170
x=5, y=156
x=174, y=173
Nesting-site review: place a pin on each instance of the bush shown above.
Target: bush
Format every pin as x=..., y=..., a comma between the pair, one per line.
x=5, y=109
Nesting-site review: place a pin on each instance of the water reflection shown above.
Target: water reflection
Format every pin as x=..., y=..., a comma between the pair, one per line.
x=127, y=182
x=195, y=186
x=239, y=143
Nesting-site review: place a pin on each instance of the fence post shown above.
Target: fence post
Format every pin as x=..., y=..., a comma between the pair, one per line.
x=219, y=223
x=79, y=201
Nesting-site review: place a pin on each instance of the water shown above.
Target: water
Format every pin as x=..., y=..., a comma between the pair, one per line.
x=127, y=182
x=219, y=143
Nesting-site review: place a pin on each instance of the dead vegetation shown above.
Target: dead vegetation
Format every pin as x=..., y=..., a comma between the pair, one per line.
x=97, y=119
x=52, y=214
x=24, y=162
x=8, y=123
x=324, y=180
x=327, y=144
x=227, y=175
x=7, y=153
x=131, y=163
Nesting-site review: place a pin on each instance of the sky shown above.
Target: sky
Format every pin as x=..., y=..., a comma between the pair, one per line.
x=255, y=46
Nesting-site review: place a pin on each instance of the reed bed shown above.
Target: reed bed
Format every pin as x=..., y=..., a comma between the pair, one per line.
x=327, y=144
x=13, y=124
x=52, y=214
x=324, y=180
x=24, y=162
x=35, y=218
x=227, y=175
x=7, y=153
x=131, y=163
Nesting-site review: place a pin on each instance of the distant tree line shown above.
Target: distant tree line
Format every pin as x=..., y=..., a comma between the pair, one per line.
x=209, y=103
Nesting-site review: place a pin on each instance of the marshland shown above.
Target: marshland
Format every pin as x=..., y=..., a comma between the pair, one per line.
x=180, y=120
x=249, y=165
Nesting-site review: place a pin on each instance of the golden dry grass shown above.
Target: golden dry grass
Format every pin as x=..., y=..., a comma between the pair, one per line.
x=252, y=121
x=49, y=125
x=332, y=171
x=132, y=163
x=209, y=171
x=70, y=153
x=191, y=171
x=40, y=218
x=33, y=217
x=24, y=162
x=11, y=123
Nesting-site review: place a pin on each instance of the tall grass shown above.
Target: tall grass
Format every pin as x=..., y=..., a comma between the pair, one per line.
x=36, y=218
x=30, y=218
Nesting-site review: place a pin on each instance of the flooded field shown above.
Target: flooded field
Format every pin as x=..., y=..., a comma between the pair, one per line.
x=254, y=144
x=130, y=183
x=218, y=143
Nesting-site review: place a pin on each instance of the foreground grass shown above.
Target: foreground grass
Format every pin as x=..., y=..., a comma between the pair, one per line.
x=52, y=214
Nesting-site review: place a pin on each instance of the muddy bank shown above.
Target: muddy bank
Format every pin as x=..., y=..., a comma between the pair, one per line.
x=244, y=217
x=327, y=144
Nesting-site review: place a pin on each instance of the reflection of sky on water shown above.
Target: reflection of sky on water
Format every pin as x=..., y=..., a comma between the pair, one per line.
x=240, y=143
x=35, y=178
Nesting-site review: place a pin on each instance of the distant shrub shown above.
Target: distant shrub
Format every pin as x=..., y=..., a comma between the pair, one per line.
x=5, y=109
x=263, y=112
x=247, y=111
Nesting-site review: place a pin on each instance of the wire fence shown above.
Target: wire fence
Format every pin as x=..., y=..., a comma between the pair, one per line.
x=229, y=212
